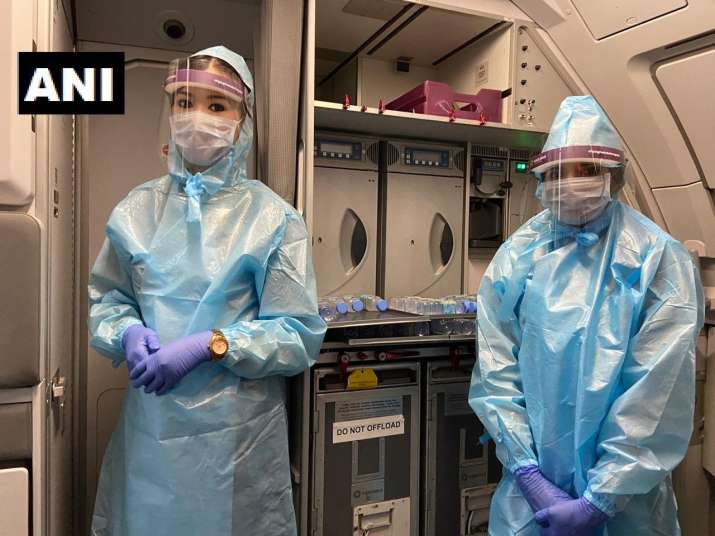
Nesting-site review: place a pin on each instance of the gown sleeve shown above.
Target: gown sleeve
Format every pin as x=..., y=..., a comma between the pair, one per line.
x=496, y=393
x=112, y=304
x=285, y=339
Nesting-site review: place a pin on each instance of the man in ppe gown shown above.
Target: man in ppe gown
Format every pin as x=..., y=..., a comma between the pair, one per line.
x=205, y=287
x=587, y=321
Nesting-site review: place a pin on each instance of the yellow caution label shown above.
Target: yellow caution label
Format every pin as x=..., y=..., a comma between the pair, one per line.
x=363, y=378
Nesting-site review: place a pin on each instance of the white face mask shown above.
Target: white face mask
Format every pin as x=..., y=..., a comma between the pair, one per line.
x=202, y=138
x=577, y=200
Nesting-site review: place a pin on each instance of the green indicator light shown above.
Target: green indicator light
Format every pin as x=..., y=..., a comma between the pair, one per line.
x=521, y=167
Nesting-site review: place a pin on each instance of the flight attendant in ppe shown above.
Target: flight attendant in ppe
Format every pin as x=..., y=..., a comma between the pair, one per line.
x=205, y=287
x=585, y=375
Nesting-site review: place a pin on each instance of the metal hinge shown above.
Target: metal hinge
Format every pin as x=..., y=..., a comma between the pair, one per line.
x=57, y=390
x=316, y=422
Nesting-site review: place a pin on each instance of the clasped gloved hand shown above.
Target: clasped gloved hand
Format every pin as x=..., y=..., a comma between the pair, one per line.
x=538, y=491
x=576, y=517
x=161, y=371
x=138, y=342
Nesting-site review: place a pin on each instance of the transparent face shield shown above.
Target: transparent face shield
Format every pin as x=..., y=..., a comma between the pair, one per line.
x=204, y=109
x=577, y=183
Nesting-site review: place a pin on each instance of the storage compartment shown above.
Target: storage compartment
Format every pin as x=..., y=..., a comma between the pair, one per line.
x=366, y=458
x=459, y=466
x=424, y=220
x=16, y=424
x=486, y=218
x=381, y=50
x=20, y=291
x=501, y=195
x=345, y=213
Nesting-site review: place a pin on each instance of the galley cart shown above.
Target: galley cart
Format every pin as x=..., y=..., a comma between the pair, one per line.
x=382, y=439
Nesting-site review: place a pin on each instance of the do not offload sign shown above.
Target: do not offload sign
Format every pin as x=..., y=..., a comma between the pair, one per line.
x=358, y=430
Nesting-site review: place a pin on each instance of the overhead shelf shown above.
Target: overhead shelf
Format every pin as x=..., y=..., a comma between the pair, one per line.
x=332, y=116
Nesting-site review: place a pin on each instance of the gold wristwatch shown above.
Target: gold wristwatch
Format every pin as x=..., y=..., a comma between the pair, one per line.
x=218, y=346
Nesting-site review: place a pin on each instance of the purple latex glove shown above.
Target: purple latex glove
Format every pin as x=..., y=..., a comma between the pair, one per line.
x=577, y=517
x=538, y=491
x=138, y=341
x=161, y=371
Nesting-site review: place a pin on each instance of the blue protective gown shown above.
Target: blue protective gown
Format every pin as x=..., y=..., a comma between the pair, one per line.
x=586, y=366
x=211, y=456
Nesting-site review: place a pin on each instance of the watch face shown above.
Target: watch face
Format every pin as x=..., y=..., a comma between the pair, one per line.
x=220, y=347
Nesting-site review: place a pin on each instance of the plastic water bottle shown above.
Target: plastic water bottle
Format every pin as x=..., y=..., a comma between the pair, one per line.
x=465, y=306
x=327, y=311
x=423, y=306
x=401, y=303
x=434, y=307
x=374, y=303
x=459, y=307
x=449, y=307
x=466, y=303
x=355, y=303
x=340, y=306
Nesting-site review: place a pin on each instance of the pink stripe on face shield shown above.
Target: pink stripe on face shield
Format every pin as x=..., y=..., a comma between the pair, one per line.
x=230, y=87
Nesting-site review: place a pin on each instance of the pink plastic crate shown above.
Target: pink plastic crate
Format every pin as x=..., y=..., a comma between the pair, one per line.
x=438, y=99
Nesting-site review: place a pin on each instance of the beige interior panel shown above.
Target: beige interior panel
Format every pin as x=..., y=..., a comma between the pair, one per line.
x=479, y=260
x=689, y=213
x=607, y=17
x=16, y=136
x=484, y=65
x=141, y=23
x=378, y=79
x=14, y=502
x=538, y=89
x=692, y=103
x=618, y=72
x=344, y=197
x=433, y=34
x=416, y=203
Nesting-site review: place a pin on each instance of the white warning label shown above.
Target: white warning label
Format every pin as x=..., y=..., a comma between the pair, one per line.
x=368, y=428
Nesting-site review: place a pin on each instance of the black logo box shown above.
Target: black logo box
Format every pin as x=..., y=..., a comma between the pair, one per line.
x=55, y=62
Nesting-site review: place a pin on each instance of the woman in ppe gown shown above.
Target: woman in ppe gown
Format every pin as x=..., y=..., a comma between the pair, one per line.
x=199, y=256
x=587, y=321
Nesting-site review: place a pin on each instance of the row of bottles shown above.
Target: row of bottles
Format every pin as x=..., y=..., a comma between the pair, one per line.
x=332, y=308
x=450, y=305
